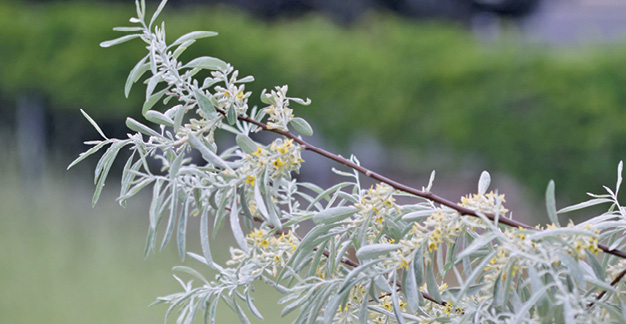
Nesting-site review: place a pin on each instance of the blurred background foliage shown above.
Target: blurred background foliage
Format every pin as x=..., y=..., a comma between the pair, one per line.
x=432, y=94
x=534, y=112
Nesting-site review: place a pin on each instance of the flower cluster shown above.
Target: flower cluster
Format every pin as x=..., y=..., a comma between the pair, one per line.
x=280, y=158
x=489, y=203
x=267, y=251
x=377, y=202
x=232, y=94
x=278, y=110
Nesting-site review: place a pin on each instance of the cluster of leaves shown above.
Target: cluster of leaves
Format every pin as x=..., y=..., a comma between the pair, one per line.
x=368, y=259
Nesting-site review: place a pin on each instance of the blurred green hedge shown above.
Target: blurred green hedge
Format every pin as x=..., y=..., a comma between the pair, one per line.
x=536, y=113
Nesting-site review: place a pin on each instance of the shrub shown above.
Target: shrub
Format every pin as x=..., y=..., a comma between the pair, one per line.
x=368, y=258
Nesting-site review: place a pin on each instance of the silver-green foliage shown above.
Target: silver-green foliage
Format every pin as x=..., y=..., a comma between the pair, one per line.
x=367, y=259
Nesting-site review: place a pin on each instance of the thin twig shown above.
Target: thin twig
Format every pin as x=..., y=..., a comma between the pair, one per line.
x=402, y=187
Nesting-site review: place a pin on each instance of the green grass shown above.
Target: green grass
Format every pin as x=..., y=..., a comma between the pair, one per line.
x=64, y=262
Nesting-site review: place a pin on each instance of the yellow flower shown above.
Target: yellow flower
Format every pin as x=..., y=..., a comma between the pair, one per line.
x=403, y=264
x=250, y=179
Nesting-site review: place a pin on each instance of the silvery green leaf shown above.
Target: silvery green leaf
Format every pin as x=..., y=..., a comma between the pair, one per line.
x=258, y=198
x=483, y=183
x=93, y=123
x=266, y=98
x=178, y=117
x=171, y=223
x=431, y=284
x=236, y=227
x=206, y=62
x=246, y=144
x=271, y=207
x=157, y=12
x=521, y=314
x=363, y=310
x=127, y=29
x=246, y=79
x=159, y=118
x=472, y=277
x=232, y=303
x=430, y=181
x=253, y=308
x=103, y=167
x=128, y=177
x=301, y=126
x=153, y=81
x=479, y=243
x=334, y=214
x=119, y=40
x=585, y=204
x=574, y=269
x=301, y=102
x=136, y=188
x=204, y=235
x=326, y=193
x=372, y=251
x=596, y=266
x=152, y=100
x=551, y=203
x=417, y=215
x=558, y=231
x=418, y=266
x=205, y=104
x=140, y=68
x=87, y=153
x=207, y=154
x=231, y=116
x=180, y=49
x=141, y=128
x=334, y=304
x=193, y=36
x=396, y=307
x=149, y=242
x=191, y=272
x=181, y=234
x=620, y=168
x=411, y=288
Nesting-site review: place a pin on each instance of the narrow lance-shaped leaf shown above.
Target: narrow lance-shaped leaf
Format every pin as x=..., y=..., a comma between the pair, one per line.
x=204, y=235
x=207, y=154
x=87, y=153
x=206, y=62
x=93, y=123
x=372, y=251
x=157, y=12
x=140, y=68
x=153, y=100
x=141, y=128
x=181, y=235
x=334, y=214
x=193, y=36
x=236, y=226
x=119, y=40
x=159, y=118
x=246, y=144
x=431, y=284
x=411, y=289
x=551, y=203
x=107, y=160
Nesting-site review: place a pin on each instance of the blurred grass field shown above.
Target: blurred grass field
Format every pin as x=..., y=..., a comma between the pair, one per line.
x=64, y=262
